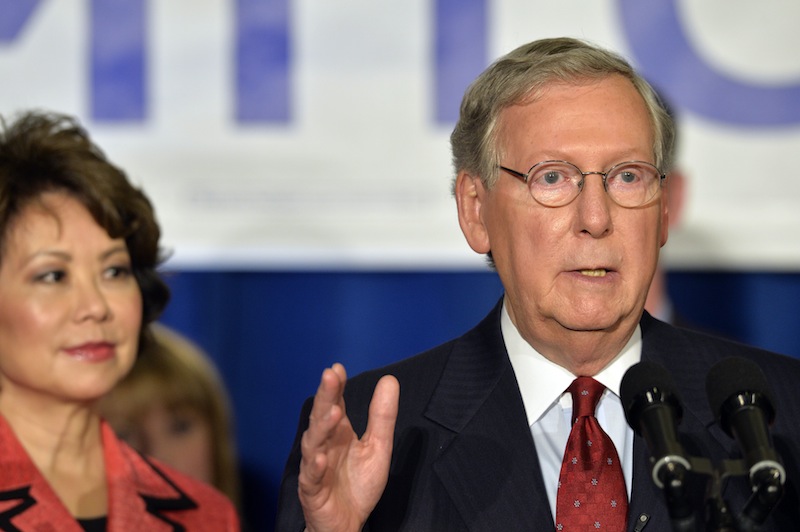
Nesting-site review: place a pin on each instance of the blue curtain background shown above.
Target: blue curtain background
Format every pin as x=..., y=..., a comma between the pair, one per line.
x=272, y=333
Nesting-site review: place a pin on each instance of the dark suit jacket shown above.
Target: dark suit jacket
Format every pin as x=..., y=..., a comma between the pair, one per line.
x=464, y=457
x=142, y=494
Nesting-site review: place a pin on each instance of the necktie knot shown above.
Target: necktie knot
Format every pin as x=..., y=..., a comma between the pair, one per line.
x=586, y=394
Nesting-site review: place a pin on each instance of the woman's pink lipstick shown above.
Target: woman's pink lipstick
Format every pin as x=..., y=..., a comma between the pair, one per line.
x=92, y=352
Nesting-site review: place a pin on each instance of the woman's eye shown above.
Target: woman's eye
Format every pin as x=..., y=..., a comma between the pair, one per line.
x=180, y=425
x=53, y=276
x=115, y=272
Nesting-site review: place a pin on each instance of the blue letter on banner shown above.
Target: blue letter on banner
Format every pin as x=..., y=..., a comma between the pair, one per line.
x=460, y=53
x=668, y=60
x=15, y=14
x=262, y=61
x=118, y=60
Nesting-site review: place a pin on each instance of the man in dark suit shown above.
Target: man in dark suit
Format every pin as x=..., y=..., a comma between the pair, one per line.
x=560, y=154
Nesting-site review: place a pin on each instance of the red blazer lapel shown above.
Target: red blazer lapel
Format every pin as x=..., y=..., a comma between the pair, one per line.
x=138, y=490
x=145, y=495
x=26, y=500
x=142, y=495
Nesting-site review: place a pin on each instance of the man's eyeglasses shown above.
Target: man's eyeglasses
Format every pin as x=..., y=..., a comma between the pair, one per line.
x=556, y=183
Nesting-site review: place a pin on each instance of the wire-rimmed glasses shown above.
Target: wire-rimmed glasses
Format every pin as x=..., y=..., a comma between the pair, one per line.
x=556, y=183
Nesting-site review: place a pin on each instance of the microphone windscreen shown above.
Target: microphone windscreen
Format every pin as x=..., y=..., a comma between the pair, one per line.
x=732, y=376
x=641, y=378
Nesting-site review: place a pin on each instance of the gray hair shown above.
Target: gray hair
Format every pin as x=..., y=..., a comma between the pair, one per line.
x=520, y=76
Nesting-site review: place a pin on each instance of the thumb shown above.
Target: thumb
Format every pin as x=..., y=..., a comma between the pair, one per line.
x=383, y=410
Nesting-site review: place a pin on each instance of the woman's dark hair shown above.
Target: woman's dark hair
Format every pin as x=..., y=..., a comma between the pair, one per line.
x=44, y=152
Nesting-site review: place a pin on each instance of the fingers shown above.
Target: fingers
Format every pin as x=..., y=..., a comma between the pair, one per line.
x=326, y=412
x=341, y=478
x=327, y=409
x=331, y=385
x=340, y=371
x=383, y=411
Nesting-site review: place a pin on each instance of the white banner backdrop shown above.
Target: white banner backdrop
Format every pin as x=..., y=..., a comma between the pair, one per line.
x=357, y=174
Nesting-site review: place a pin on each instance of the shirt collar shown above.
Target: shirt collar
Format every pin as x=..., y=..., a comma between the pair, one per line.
x=542, y=382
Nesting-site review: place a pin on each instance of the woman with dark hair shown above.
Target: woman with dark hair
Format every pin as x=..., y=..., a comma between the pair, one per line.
x=79, y=254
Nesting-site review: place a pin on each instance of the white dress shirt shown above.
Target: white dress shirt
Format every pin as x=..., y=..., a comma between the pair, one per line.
x=543, y=385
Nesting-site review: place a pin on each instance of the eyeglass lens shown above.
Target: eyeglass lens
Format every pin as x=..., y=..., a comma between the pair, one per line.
x=630, y=184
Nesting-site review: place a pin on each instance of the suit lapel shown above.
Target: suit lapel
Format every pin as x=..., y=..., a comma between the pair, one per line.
x=489, y=467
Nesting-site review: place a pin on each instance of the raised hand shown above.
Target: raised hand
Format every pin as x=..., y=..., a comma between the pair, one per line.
x=342, y=477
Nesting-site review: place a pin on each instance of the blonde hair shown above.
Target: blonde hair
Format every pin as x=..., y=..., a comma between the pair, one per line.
x=173, y=372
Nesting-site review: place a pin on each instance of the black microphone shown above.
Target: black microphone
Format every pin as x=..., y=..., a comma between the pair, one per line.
x=740, y=398
x=653, y=410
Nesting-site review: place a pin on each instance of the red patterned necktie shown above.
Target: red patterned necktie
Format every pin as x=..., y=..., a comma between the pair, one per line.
x=591, y=489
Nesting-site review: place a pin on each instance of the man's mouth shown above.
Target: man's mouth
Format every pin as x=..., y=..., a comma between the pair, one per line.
x=594, y=273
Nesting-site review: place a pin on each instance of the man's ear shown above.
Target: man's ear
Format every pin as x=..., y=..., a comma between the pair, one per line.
x=664, y=225
x=470, y=194
x=672, y=204
x=676, y=195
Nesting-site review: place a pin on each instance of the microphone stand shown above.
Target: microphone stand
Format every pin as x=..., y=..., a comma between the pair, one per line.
x=673, y=482
x=718, y=515
x=767, y=486
x=767, y=492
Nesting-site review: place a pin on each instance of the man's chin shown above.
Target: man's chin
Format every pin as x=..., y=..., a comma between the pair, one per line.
x=590, y=322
